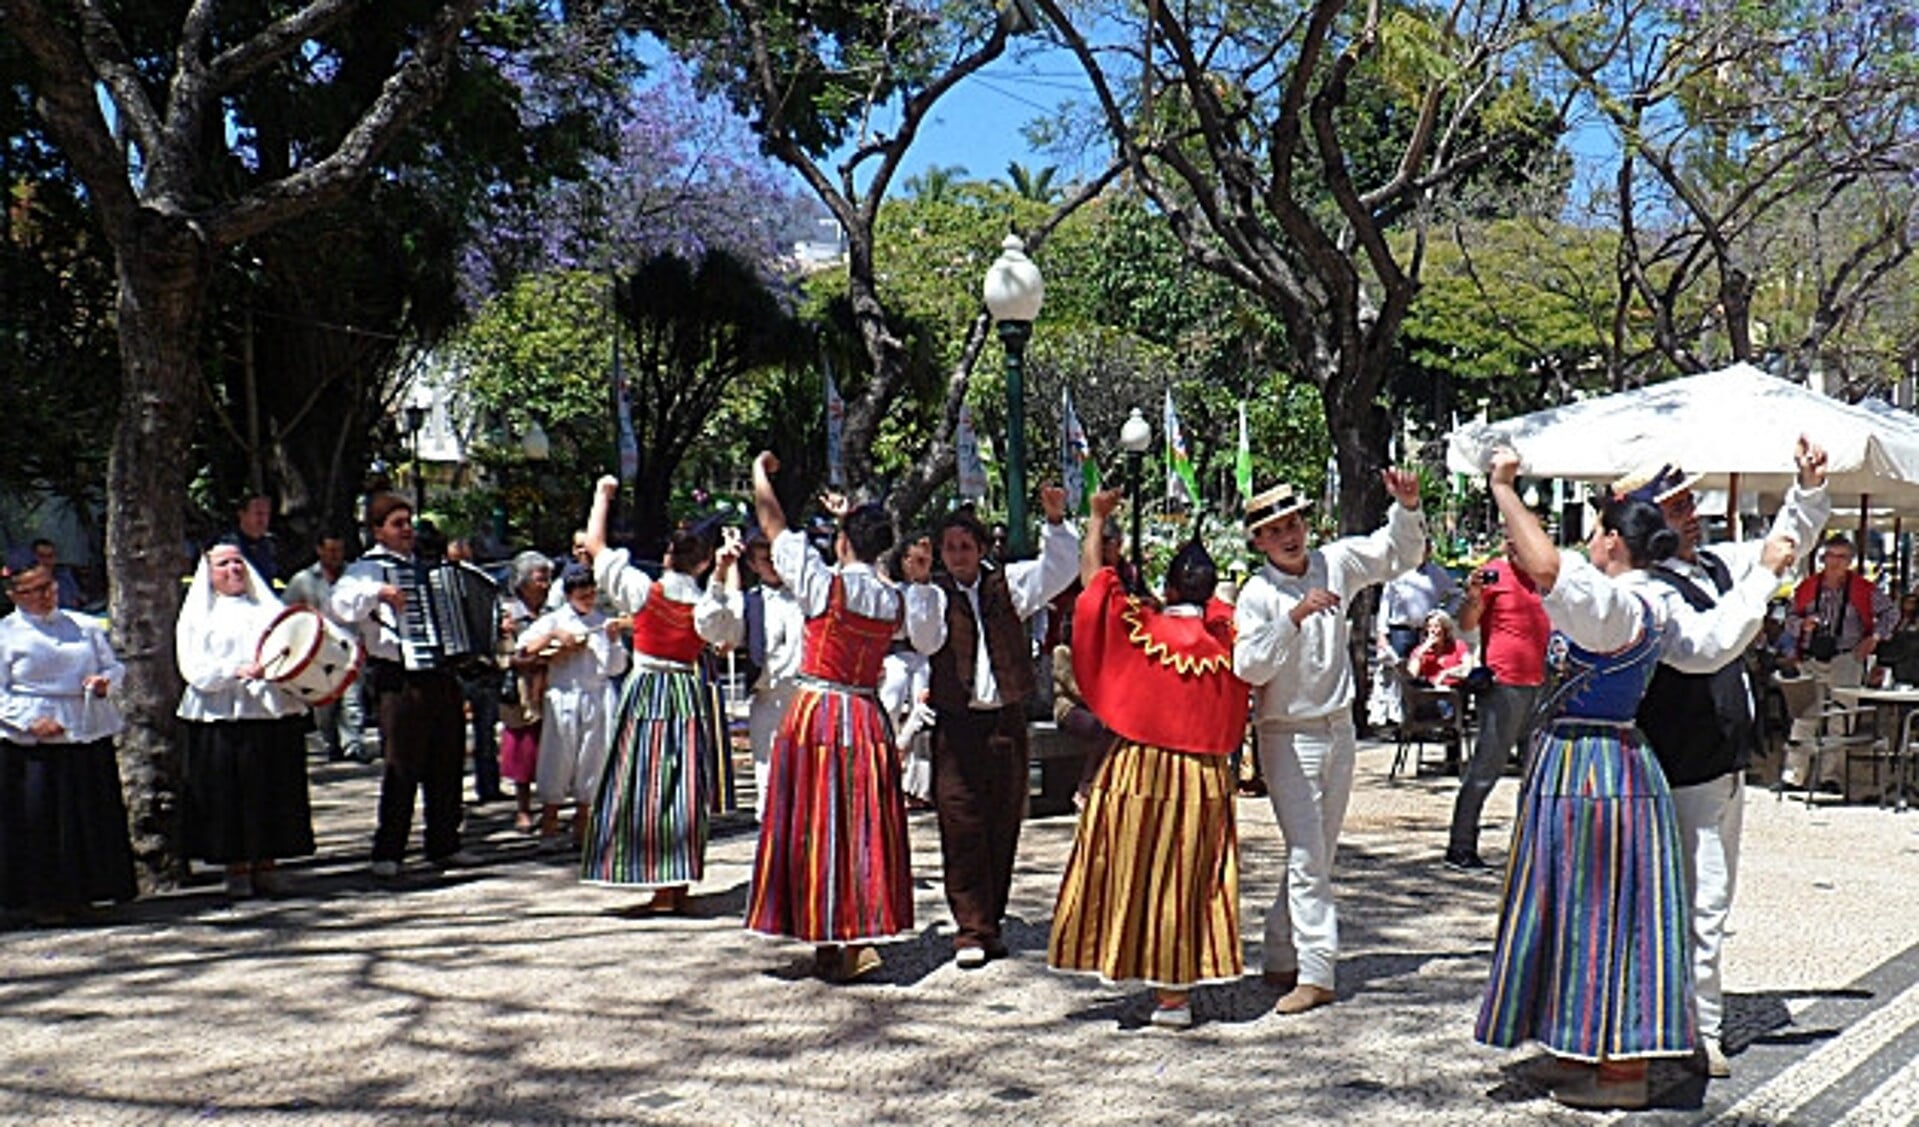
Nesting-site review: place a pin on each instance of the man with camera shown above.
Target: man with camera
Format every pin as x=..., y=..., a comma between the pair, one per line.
x=1503, y=605
x=1839, y=618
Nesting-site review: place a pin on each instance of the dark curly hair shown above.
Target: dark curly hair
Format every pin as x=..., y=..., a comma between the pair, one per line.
x=869, y=531
x=967, y=521
x=1642, y=526
x=691, y=551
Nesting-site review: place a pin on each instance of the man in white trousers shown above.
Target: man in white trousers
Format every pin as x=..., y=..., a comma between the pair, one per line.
x=1294, y=648
x=1701, y=725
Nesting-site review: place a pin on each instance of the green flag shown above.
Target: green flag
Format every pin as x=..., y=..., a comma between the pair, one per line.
x=1243, y=460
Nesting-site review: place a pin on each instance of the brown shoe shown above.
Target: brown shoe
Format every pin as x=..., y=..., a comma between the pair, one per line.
x=1303, y=997
x=1281, y=980
x=1549, y=1071
x=1597, y=1093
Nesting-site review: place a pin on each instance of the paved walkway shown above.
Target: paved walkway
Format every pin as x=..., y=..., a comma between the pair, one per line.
x=508, y=993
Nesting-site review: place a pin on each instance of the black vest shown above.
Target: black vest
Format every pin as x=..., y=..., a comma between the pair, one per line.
x=1700, y=724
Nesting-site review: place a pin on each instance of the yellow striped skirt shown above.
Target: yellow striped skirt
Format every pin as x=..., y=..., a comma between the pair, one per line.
x=1151, y=891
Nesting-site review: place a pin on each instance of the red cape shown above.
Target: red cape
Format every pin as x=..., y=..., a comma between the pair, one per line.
x=1154, y=678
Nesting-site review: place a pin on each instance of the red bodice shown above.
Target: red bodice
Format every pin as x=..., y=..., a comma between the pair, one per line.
x=844, y=647
x=663, y=629
x=1154, y=678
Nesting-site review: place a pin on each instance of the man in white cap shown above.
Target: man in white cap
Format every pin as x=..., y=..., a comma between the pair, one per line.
x=1701, y=725
x=1293, y=647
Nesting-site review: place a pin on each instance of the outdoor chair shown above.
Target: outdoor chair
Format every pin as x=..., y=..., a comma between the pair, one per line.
x=1843, y=730
x=1428, y=714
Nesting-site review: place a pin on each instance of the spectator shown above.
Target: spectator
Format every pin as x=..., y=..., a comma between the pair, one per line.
x=1839, y=618
x=1440, y=658
x=1405, y=602
x=47, y=556
x=252, y=532
x=341, y=724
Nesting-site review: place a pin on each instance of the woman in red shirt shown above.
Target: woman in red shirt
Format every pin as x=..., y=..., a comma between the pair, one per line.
x=1440, y=658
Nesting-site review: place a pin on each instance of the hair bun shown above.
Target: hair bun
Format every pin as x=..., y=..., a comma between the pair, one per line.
x=1662, y=544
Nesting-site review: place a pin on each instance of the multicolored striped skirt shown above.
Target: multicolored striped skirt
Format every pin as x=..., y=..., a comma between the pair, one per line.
x=649, y=819
x=833, y=864
x=1151, y=890
x=1592, y=956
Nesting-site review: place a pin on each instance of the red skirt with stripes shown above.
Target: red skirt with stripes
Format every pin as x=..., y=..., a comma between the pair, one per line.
x=833, y=864
x=1151, y=890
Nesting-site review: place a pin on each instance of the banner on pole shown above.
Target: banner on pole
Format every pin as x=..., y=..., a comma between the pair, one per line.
x=1180, y=483
x=972, y=470
x=1243, y=460
x=629, y=443
x=1078, y=473
x=835, y=424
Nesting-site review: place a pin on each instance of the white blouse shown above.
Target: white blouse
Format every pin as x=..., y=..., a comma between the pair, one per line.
x=1601, y=613
x=590, y=668
x=222, y=640
x=811, y=580
x=43, y=662
x=718, y=614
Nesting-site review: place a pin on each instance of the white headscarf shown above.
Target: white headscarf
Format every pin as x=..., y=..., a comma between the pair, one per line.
x=193, y=639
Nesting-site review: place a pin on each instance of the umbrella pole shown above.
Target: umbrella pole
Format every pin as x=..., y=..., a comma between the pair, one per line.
x=1865, y=527
x=1732, y=508
x=1904, y=551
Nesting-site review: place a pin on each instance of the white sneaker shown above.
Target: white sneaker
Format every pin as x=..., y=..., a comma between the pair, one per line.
x=1173, y=1017
x=458, y=859
x=969, y=958
x=384, y=869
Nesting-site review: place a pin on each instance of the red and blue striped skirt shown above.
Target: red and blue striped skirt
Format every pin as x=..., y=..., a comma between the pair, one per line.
x=1592, y=954
x=833, y=864
x=648, y=824
x=1151, y=890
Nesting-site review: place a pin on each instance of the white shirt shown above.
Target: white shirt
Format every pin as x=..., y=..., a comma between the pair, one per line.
x=784, y=624
x=42, y=664
x=1303, y=673
x=215, y=644
x=311, y=588
x=810, y=580
x=356, y=602
x=588, y=669
x=716, y=611
x=1601, y=613
x=1412, y=595
x=1032, y=584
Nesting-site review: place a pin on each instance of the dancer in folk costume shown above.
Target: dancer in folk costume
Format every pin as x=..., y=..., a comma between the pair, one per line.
x=1592, y=954
x=648, y=823
x=1151, y=889
x=244, y=801
x=833, y=868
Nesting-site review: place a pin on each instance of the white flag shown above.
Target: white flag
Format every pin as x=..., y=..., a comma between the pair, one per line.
x=972, y=471
x=1076, y=470
x=629, y=443
x=835, y=423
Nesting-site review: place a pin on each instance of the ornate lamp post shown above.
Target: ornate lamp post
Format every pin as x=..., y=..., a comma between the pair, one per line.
x=1013, y=291
x=1135, y=435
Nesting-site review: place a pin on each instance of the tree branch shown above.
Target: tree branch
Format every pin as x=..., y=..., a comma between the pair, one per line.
x=107, y=55
x=276, y=41
x=66, y=102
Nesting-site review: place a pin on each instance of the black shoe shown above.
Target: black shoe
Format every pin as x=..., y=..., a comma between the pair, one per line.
x=1465, y=860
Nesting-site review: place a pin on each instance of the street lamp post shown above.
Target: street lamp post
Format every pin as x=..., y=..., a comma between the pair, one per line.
x=415, y=423
x=1013, y=291
x=1134, y=437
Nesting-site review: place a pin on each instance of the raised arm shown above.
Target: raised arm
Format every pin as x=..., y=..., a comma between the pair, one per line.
x=1533, y=551
x=766, y=503
x=607, y=488
x=1104, y=503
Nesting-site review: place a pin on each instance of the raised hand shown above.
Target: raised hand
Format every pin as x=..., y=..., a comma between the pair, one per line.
x=1504, y=469
x=608, y=486
x=1052, y=501
x=1811, y=460
x=1403, y=485
x=767, y=463
x=1106, y=502
x=835, y=504
x=1778, y=554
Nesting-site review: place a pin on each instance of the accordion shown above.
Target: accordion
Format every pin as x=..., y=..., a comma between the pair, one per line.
x=452, y=615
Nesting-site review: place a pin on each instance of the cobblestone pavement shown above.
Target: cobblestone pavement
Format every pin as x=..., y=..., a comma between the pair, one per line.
x=508, y=993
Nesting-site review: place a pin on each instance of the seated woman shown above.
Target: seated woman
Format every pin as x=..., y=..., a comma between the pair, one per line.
x=1440, y=658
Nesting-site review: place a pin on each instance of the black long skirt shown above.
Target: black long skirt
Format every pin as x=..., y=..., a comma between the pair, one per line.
x=245, y=797
x=63, y=827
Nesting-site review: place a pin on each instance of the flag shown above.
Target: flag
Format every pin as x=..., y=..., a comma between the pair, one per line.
x=972, y=471
x=835, y=422
x=1243, y=460
x=629, y=443
x=1180, y=482
x=1077, y=470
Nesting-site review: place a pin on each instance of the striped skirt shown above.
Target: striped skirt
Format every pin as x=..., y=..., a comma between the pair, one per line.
x=1592, y=955
x=833, y=864
x=649, y=820
x=1151, y=890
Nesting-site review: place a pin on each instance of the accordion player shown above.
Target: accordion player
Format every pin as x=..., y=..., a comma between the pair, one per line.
x=452, y=616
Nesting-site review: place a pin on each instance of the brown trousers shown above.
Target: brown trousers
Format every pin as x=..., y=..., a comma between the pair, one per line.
x=423, y=736
x=979, y=790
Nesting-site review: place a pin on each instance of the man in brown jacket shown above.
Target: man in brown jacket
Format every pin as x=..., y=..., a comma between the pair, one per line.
x=970, y=622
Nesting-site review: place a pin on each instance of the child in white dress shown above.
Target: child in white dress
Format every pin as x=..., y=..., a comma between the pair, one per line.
x=584, y=655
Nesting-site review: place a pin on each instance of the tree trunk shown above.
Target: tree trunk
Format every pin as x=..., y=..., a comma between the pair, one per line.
x=1360, y=429
x=887, y=357
x=162, y=285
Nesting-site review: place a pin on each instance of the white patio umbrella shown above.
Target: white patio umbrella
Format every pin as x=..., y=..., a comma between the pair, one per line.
x=1738, y=426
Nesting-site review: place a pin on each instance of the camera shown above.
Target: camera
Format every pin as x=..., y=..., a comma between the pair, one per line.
x=1488, y=575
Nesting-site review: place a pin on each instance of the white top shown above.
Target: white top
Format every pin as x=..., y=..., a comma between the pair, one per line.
x=356, y=602
x=717, y=612
x=784, y=624
x=42, y=664
x=1412, y=595
x=311, y=588
x=1303, y=673
x=211, y=647
x=589, y=668
x=1032, y=583
x=810, y=579
x=1601, y=613
x=905, y=678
